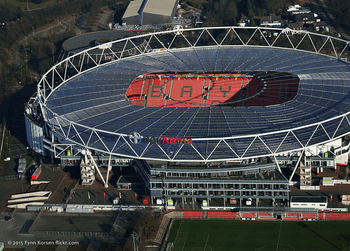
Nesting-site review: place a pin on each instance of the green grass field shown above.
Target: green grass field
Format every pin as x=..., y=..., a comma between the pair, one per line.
x=211, y=235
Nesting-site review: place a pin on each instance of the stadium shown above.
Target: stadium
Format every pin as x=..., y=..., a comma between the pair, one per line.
x=221, y=112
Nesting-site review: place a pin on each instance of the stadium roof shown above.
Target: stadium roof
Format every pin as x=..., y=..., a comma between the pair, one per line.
x=90, y=109
x=105, y=108
x=87, y=40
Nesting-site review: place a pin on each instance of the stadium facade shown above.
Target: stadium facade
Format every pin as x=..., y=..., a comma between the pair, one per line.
x=218, y=112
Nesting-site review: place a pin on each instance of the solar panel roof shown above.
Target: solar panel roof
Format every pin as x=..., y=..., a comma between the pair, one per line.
x=96, y=99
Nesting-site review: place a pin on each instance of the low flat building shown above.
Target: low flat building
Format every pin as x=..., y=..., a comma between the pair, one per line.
x=315, y=202
x=143, y=12
x=306, y=18
x=271, y=21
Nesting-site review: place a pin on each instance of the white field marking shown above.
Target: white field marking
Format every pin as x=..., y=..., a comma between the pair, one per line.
x=183, y=246
x=279, y=234
x=206, y=242
x=280, y=245
x=210, y=247
x=178, y=231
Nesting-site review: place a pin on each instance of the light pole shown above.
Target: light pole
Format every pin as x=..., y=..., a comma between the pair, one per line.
x=26, y=55
x=134, y=236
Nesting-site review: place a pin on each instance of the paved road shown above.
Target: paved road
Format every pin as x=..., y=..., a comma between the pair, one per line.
x=116, y=223
x=103, y=19
x=2, y=131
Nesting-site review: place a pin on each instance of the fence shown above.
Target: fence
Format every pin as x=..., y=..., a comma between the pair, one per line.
x=70, y=233
x=342, y=182
x=11, y=177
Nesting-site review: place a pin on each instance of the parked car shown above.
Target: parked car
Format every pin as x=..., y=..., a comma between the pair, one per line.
x=8, y=218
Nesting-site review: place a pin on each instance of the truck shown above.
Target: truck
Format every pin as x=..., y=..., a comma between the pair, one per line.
x=21, y=166
x=159, y=201
x=116, y=201
x=36, y=173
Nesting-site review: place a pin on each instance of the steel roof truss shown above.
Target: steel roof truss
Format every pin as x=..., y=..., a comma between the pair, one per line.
x=172, y=41
x=161, y=43
x=227, y=33
x=214, y=149
x=164, y=151
x=249, y=146
x=60, y=127
x=251, y=37
x=61, y=152
x=346, y=45
x=231, y=148
x=312, y=42
x=179, y=149
x=144, y=150
x=113, y=53
x=73, y=66
x=98, y=136
x=335, y=132
x=88, y=142
x=325, y=131
x=325, y=42
x=265, y=144
x=70, y=126
x=211, y=36
x=267, y=42
x=103, y=51
x=65, y=70
x=198, y=38
x=238, y=36
x=93, y=60
x=198, y=152
x=297, y=139
x=296, y=165
x=334, y=50
x=282, y=141
x=116, y=143
x=82, y=62
x=78, y=135
x=312, y=134
x=135, y=47
x=296, y=47
x=130, y=146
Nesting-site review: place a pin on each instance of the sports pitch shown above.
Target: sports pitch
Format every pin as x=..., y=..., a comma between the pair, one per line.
x=211, y=235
